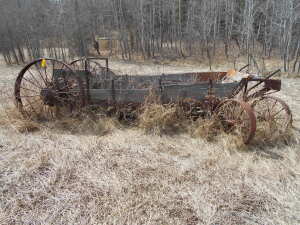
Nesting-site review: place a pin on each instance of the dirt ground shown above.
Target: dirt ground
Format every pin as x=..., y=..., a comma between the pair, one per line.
x=128, y=177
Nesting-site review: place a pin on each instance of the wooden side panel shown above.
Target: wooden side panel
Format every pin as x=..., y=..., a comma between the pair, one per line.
x=175, y=87
x=196, y=91
x=179, y=77
x=170, y=93
x=224, y=90
x=134, y=95
x=119, y=96
x=177, y=92
x=98, y=95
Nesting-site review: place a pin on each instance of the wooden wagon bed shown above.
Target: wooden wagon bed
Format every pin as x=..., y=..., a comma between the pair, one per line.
x=169, y=87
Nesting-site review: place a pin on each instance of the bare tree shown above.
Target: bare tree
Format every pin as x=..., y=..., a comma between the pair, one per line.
x=152, y=28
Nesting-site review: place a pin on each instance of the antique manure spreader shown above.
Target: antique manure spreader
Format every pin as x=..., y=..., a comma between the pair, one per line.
x=237, y=100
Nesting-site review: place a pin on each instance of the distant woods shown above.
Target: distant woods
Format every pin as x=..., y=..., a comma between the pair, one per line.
x=152, y=29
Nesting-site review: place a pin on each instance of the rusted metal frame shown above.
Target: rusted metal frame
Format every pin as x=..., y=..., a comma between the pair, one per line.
x=273, y=84
x=106, y=64
x=259, y=93
x=160, y=90
x=210, y=89
x=100, y=58
x=87, y=81
x=269, y=85
x=263, y=92
x=53, y=65
x=238, y=89
x=211, y=100
x=263, y=80
x=113, y=91
x=244, y=85
x=270, y=93
x=161, y=87
x=245, y=92
x=244, y=67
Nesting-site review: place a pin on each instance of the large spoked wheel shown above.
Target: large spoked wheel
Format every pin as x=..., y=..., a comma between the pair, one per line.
x=274, y=113
x=237, y=118
x=96, y=72
x=46, y=88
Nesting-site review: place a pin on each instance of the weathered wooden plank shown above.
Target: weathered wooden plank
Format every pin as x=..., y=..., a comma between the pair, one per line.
x=134, y=95
x=196, y=91
x=143, y=81
x=170, y=93
x=100, y=95
x=119, y=96
x=198, y=76
x=203, y=85
x=149, y=79
x=175, y=94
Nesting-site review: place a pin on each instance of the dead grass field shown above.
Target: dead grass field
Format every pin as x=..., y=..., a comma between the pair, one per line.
x=119, y=175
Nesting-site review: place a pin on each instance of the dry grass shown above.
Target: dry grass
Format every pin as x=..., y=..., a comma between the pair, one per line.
x=162, y=119
x=86, y=125
x=71, y=175
x=208, y=129
x=10, y=117
x=83, y=125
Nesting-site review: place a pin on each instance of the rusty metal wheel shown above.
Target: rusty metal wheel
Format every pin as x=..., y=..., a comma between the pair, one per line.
x=237, y=118
x=274, y=113
x=47, y=87
x=94, y=69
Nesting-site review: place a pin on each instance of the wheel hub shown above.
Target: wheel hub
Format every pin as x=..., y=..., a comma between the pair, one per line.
x=49, y=96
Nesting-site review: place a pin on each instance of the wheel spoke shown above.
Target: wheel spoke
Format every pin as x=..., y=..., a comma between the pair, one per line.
x=238, y=119
x=33, y=96
x=46, y=74
x=32, y=75
x=28, y=90
x=275, y=102
x=29, y=81
x=30, y=104
x=275, y=113
x=282, y=109
x=37, y=68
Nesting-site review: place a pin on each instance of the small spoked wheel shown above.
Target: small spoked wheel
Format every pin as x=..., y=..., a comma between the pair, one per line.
x=237, y=118
x=46, y=88
x=273, y=113
x=94, y=69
